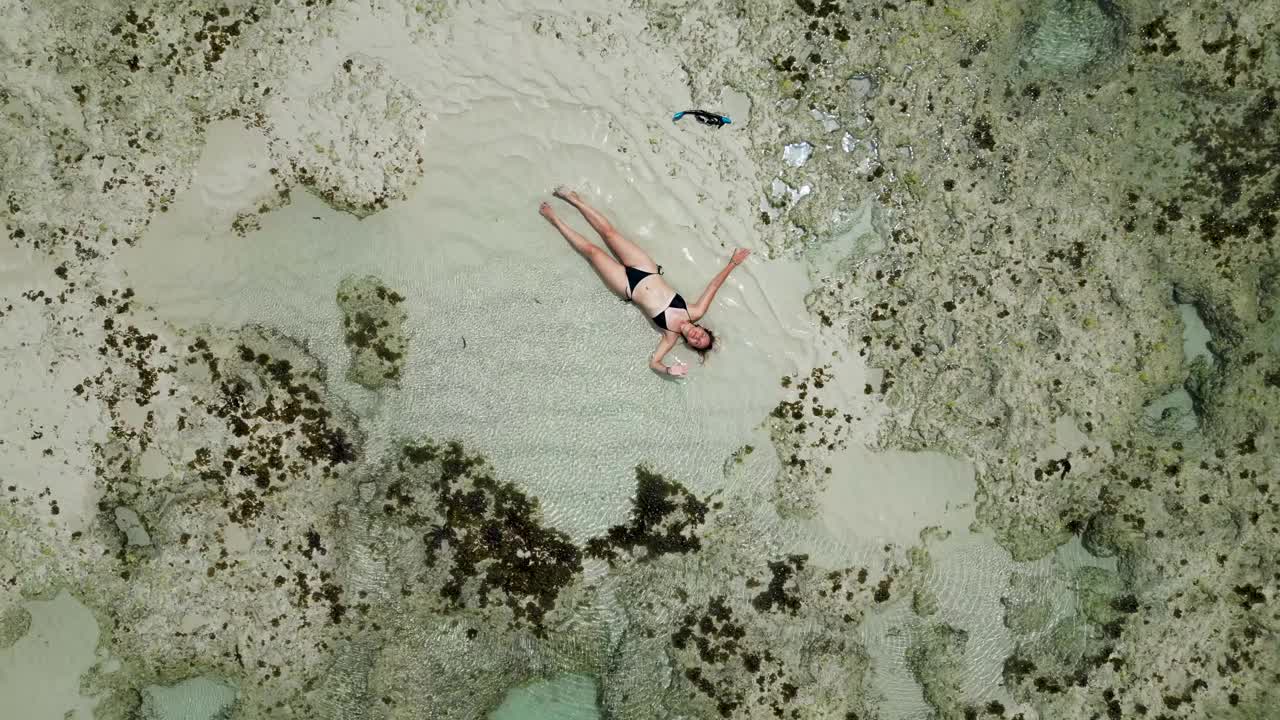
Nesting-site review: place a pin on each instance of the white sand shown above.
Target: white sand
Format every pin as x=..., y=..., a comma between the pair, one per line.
x=40, y=674
x=889, y=497
x=553, y=382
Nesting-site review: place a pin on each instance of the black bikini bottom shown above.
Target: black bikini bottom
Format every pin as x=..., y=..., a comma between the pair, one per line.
x=634, y=276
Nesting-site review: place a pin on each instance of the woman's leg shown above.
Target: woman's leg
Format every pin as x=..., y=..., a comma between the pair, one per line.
x=626, y=251
x=609, y=270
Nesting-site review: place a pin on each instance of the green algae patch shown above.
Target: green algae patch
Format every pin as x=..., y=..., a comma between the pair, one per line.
x=745, y=633
x=1025, y=611
x=665, y=518
x=936, y=659
x=14, y=623
x=373, y=330
x=717, y=640
x=1097, y=589
x=924, y=602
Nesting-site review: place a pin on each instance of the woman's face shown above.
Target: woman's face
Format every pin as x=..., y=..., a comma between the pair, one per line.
x=697, y=338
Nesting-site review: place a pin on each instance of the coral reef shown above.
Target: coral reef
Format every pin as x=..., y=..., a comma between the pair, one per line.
x=1019, y=198
x=474, y=541
x=358, y=143
x=741, y=637
x=251, y=457
x=1050, y=180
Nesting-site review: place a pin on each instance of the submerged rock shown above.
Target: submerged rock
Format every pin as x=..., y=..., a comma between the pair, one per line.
x=776, y=640
x=1027, y=608
x=373, y=327
x=1106, y=535
x=241, y=533
x=119, y=704
x=1100, y=594
x=1066, y=37
x=449, y=668
x=726, y=632
x=130, y=524
x=924, y=602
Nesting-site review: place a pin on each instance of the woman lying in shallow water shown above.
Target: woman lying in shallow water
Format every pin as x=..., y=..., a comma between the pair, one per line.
x=636, y=278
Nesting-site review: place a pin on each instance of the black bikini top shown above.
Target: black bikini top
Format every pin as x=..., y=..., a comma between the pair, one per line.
x=676, y=302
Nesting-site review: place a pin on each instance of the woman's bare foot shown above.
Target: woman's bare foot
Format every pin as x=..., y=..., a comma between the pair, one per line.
x=545, y=211
x=564, y=193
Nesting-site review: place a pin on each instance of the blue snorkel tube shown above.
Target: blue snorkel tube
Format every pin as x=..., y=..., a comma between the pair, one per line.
x=706, y=118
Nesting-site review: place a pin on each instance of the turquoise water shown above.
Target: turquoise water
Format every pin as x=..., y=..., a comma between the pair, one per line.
x=568, y=697
x=193, y=699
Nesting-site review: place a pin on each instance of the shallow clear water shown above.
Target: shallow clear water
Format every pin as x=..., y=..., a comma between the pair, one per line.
x=145, y=580
x=517, y=351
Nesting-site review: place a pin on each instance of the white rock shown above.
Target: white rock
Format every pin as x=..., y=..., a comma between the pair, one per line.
x=829, y=122
x=797, y=154
x=862, y=87
x=780, y=190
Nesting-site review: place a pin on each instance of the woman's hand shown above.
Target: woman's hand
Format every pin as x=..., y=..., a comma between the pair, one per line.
x=739, y=255
x=678, y=370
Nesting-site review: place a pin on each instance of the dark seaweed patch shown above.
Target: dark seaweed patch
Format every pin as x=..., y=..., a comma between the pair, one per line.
x=1157, y=37
x=779, y=595
x=982, y=135
x=491, y=536
x=664, y=520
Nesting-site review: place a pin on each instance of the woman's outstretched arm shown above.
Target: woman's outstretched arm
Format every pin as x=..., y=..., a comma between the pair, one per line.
x=665, y=343
x=699, y=308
